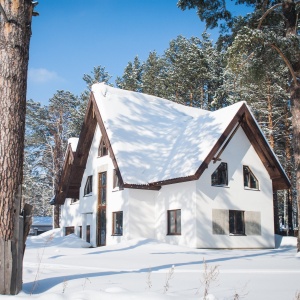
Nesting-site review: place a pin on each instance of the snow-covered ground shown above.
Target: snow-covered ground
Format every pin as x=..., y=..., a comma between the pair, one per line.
x=64, y=268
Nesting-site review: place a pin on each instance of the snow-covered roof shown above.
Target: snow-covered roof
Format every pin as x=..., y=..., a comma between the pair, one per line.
x=154, y=139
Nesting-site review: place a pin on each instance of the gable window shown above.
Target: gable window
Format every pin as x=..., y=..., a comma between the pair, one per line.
x=174, y=222
x=102, y=150
x=250, y=180
x=236, y=222
x=117, y=228
x=88, y=185
x=220, y=176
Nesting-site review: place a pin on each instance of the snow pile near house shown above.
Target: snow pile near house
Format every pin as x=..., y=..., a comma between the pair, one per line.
x=54, y=238
x=285, y=241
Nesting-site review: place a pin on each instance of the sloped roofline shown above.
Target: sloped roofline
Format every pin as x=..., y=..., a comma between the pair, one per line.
x=73, y=170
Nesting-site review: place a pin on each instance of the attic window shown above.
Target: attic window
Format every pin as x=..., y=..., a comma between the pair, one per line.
x=102, y=150
x=220, y=176
x=250, y=180
x=88, y=185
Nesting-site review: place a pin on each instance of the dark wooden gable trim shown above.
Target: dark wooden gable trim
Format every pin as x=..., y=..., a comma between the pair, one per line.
x=106, y=139
x=71, y=182
x=217, y=147
x=279, y=178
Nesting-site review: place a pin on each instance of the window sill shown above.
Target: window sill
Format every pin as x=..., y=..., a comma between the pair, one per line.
x=88, y=195
x=237, y=234
x=117, y=189
x=250, y=189
x=170, y=234
x=115, y=234
x=221, y=185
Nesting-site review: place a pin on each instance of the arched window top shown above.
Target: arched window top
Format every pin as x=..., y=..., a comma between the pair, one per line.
x=102, y=150
x=250, y=181
x=220, y=176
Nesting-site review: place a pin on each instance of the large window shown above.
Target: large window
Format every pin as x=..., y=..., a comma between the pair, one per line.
x=250, y=180
x=220, y=176
x=88, y=185
x=236, y=222
x=102, y=150
x=117, y=223
x=174, y=222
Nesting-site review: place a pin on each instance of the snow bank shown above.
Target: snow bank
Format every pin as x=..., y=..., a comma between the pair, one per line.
x=54, y=238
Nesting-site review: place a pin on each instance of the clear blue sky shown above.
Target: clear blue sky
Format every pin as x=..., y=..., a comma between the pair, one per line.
x=70, y=37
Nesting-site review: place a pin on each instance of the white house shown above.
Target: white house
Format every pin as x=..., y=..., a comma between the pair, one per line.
x=148, y=167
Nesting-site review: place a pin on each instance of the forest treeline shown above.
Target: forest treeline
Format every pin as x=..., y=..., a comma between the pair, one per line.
x=243, y=65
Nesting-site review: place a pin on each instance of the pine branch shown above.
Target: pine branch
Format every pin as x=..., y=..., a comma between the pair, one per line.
x=266, y=13
x=287, y=62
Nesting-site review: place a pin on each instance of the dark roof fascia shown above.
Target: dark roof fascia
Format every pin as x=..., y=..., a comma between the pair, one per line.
x=151, y=186
x=236, y=119
x=279, y=178
x=70, y=184
x=106, y=139
x=242, y=118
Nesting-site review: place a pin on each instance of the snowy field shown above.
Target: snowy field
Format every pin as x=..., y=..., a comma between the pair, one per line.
x=63, y=268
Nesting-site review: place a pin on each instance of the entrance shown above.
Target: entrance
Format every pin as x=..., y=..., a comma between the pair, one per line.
x=101, y=210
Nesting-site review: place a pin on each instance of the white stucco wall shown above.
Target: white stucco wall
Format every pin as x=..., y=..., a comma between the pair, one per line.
x=239, y=152
x=177, y=196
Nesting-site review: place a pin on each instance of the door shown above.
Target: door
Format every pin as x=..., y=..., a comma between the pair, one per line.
x=101, y=210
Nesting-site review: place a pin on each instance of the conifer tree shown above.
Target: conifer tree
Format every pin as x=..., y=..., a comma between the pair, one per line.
x=15, y=33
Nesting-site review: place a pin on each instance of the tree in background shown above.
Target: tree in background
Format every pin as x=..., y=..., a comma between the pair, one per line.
x=15, y=32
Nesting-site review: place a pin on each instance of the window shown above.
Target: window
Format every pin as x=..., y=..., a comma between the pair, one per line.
x=220, y=176
x=116, y=180
x=102, y=150
x=250, y=180
x=88, y=185
x=174, y=222
x=236, y=222
x=69, y=230
x=117, y=223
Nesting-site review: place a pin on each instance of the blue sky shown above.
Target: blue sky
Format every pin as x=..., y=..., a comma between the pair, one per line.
x=70, y=37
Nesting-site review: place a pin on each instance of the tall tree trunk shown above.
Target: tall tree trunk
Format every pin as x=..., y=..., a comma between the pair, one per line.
x=295, y=98
x=15, y=32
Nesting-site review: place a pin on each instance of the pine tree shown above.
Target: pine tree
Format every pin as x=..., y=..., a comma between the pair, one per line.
x=132, y=78
x=15, y=32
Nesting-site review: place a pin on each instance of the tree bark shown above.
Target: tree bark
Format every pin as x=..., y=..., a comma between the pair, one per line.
x=15, y=32
x=295, y=101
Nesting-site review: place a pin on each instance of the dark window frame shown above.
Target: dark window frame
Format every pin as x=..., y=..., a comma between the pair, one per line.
x=220, y=176
x=69, y=230
x=88, y=188
x=116, y=215
x=237, y=222
x=176, y=215
x=102, y=150
x=250, y=180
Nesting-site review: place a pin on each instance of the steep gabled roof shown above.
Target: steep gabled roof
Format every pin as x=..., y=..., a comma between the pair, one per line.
x=154, y=141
